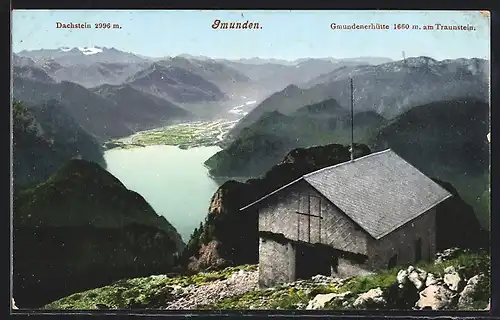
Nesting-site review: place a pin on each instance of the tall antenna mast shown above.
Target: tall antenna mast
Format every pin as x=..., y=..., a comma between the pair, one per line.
x=352, y=121
x=404, y=58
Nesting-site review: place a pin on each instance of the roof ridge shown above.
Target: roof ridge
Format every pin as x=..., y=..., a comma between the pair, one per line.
x=346, y=162
x=309, y=174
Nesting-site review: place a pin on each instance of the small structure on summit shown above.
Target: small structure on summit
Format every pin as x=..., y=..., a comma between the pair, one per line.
x=374, y=212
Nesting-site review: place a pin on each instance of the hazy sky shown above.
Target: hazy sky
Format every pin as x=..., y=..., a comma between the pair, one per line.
x=284, y=34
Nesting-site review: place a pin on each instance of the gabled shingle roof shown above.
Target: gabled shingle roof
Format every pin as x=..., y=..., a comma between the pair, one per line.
x=380, y=191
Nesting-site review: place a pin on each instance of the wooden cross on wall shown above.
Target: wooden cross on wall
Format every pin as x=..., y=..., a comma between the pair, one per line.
x=308, y=214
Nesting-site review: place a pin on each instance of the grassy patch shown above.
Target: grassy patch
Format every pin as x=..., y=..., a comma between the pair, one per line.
x=469, y=263
x=148, y=292
x=183, y=135
x=154, y=292
x=383, y=279
x=274, y=298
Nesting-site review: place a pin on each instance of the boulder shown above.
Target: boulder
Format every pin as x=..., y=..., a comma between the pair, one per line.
x=452, y=278
x=418, y=278
x=370, y=298
x=402, y=277
x=465, y=298
x=321, y=300
x=414, y=275
x=431, y=279
x=435, y=297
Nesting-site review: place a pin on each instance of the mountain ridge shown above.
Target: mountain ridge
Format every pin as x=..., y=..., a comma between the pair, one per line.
x=45, y=137
x=82, y=228
x=389, y=89
x=99, y=115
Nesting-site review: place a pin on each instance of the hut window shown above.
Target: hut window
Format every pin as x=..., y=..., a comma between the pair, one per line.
x=392, y=261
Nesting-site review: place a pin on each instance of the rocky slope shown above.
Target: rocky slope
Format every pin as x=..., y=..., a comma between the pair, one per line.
x=93, y=75
x=82, y=228
x=45, y=137
x=176, y=84
x=457, y=280
x=228, y=79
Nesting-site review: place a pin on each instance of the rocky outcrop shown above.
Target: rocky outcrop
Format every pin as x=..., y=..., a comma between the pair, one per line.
x=321, y=300
x=452, y=279
x=466, y=297
x=371, y=298
x=435, y=297
x=449, y=291
x=209, y=258
x=416, y=276
x=82, y=228
x=236, y=231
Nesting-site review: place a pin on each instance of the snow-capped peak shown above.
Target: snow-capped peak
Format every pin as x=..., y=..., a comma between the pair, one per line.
x=90, y=50
x=84, y=50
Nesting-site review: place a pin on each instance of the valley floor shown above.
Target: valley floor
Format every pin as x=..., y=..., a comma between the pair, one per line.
x=455, y=281
x=184, y=135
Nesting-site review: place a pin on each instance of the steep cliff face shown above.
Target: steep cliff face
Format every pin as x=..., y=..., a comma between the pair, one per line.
x=81, y=229
x=457, y=224
x=236, y=232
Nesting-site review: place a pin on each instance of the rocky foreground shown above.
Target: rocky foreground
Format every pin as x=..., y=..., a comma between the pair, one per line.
x=457, y=280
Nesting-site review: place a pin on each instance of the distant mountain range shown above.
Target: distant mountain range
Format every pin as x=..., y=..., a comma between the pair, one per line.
x=77, y=76
x=389, y=89
x=102, y=114
x=94, y=66
x=82, y=55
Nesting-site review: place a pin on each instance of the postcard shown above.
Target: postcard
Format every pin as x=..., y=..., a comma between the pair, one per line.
x=251, y=160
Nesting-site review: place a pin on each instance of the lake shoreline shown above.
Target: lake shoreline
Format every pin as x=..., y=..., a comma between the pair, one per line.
x=183, y=135
x=172, y=180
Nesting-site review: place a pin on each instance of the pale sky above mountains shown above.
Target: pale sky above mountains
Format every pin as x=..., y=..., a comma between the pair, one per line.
x=284, y=35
